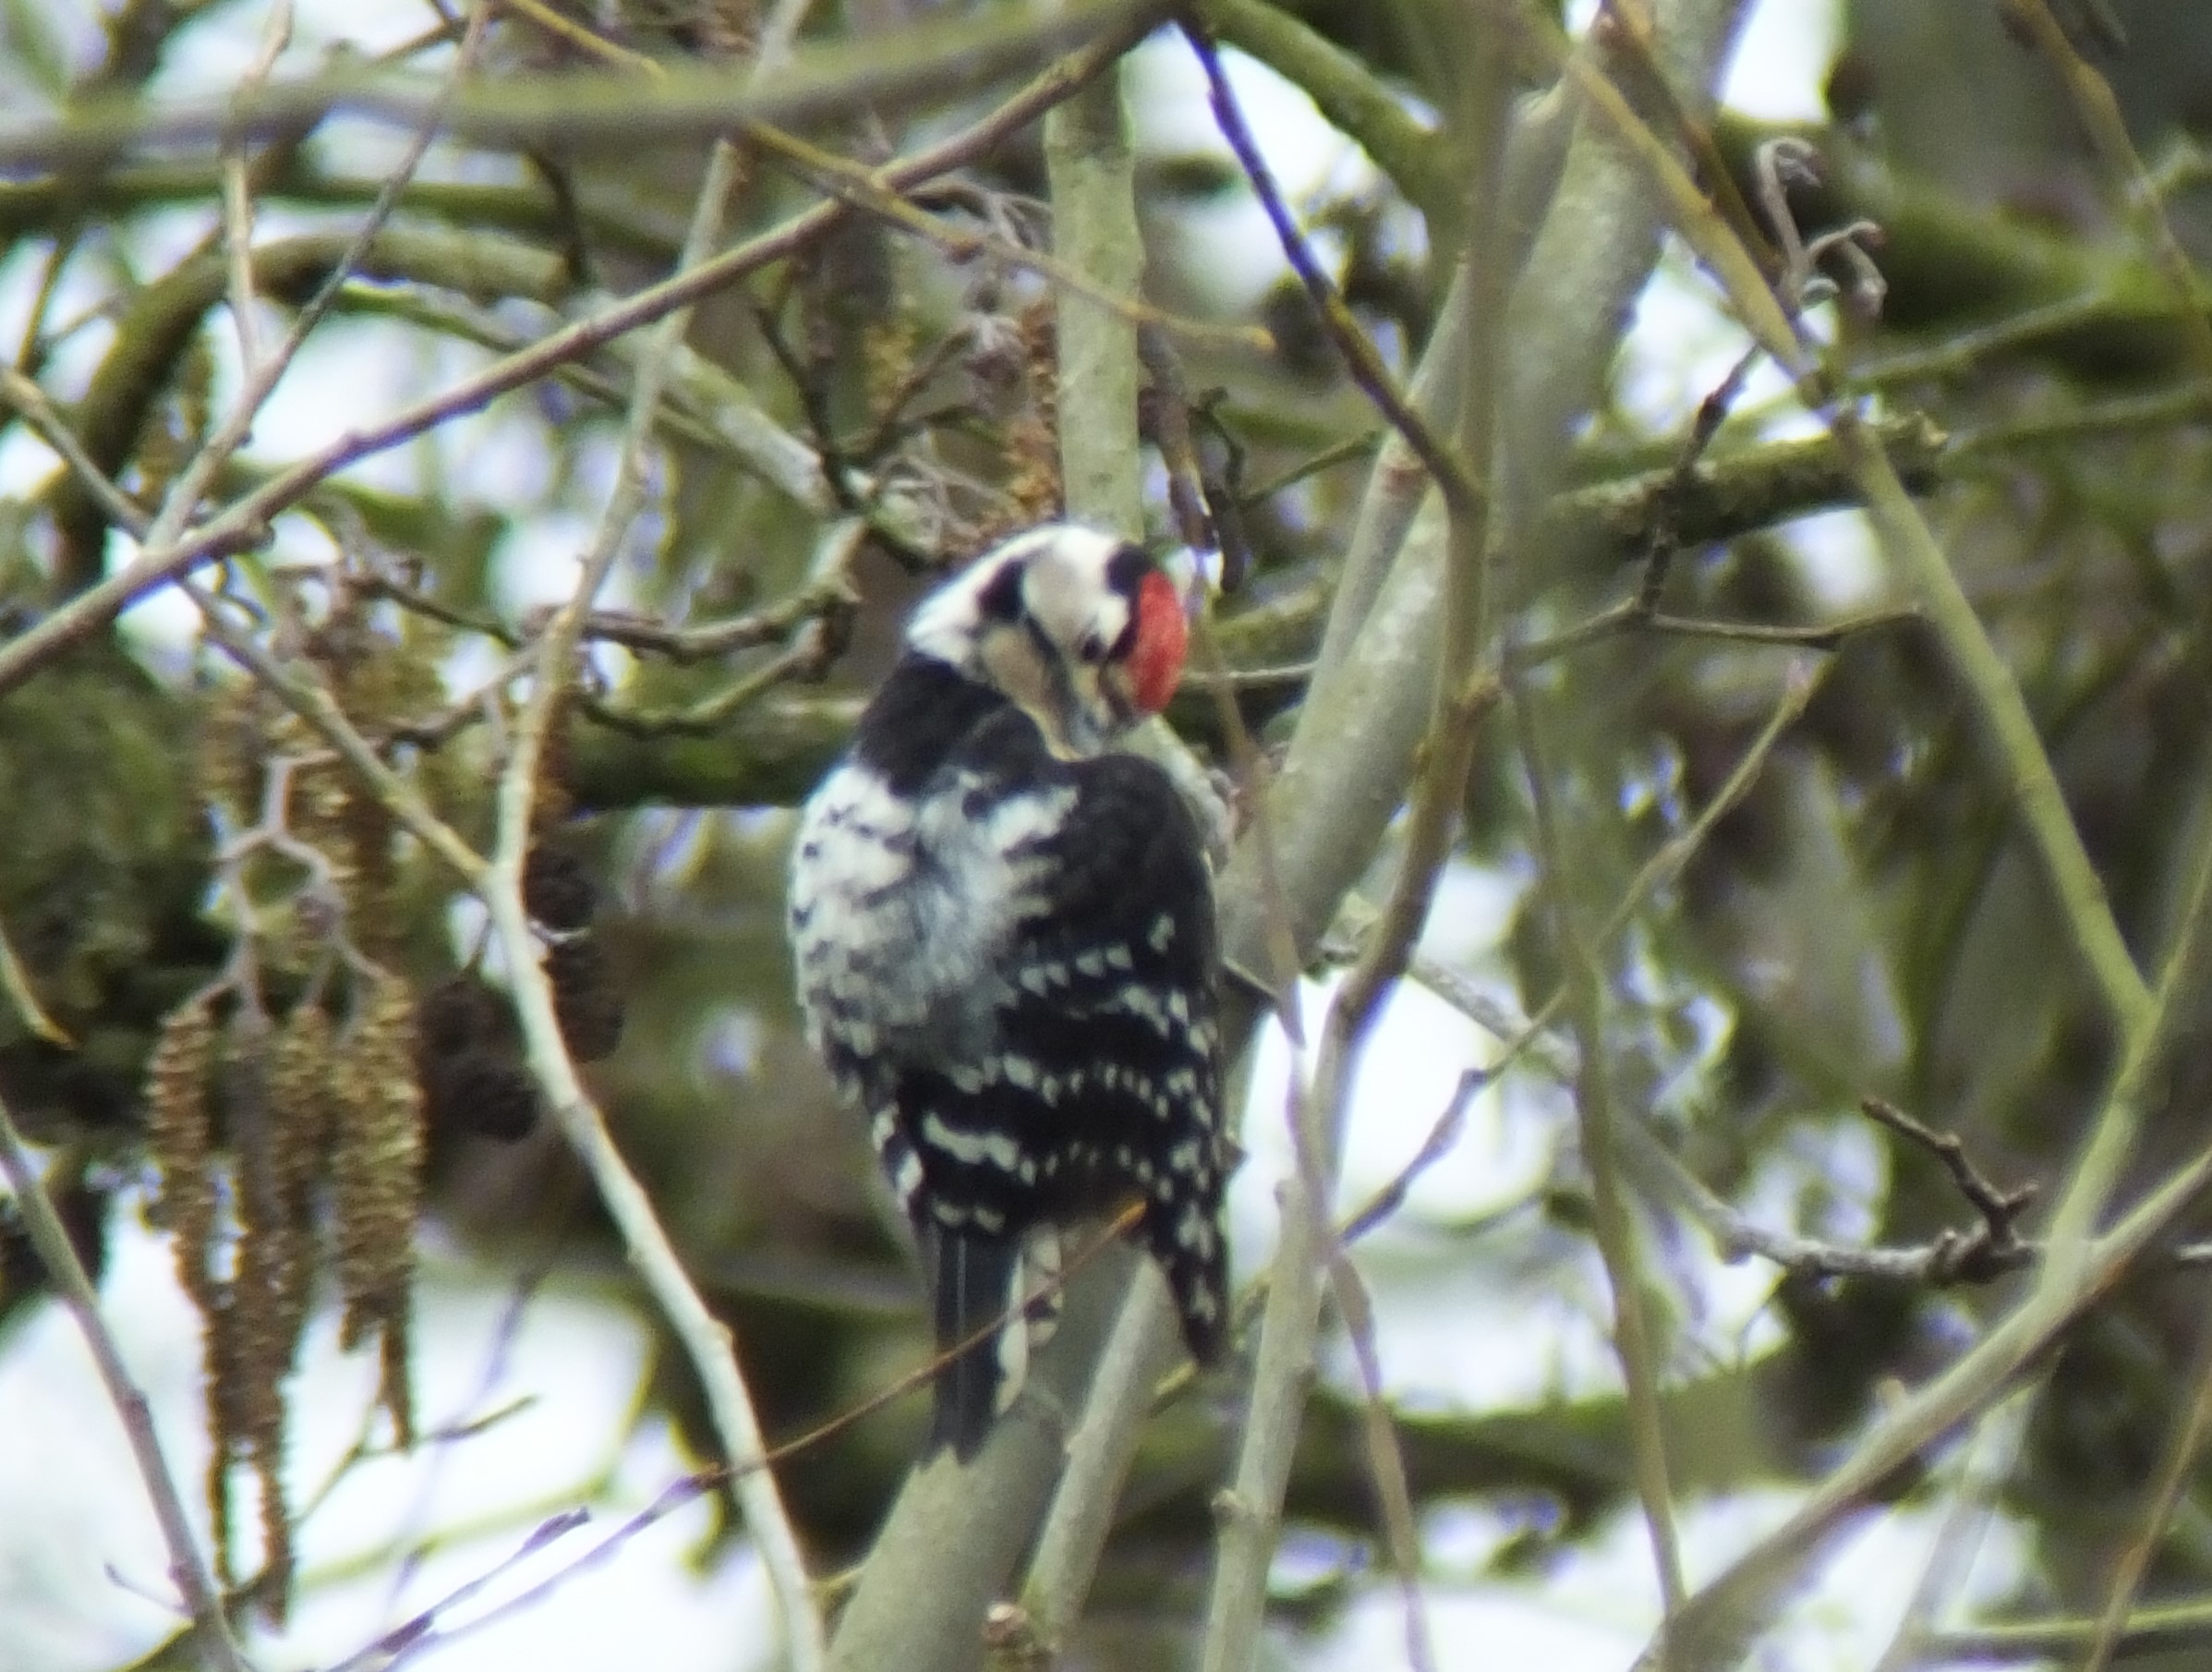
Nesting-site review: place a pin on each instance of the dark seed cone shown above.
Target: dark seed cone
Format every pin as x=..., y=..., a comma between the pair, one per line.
x=468, y=1062
x=585, y=999
x=557, y=890
x=481, y=1091
x=461, y=1014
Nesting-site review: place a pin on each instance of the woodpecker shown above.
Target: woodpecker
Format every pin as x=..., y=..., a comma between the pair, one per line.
x=1005, y=943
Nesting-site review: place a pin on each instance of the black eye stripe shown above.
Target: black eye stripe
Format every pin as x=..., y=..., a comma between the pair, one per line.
x=1125, y=572
x=1001, y=597
x=1126, y=569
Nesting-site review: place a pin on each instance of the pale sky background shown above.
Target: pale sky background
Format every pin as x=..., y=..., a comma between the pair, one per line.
x=81, y=1564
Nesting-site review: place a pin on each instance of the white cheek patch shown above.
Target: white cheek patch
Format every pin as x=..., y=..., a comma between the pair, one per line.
x=1065, y=591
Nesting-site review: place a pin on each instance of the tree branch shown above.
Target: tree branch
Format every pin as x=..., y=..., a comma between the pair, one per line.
x=187, y=1566
x=706, y=1341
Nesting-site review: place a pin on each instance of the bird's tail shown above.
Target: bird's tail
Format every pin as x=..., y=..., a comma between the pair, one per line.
x=976, y=1278
x=1183, y=1232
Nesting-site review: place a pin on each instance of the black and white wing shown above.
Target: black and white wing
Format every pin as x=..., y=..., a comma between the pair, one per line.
x=1089, y=1072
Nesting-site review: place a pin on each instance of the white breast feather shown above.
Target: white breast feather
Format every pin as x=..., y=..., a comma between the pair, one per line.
x=901, y=915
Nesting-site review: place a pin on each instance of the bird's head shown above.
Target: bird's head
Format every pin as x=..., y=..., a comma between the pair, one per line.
x=1083, y=632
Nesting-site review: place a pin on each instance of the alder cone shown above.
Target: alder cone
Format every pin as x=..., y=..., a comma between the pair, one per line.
x=586, y=1001
x=557, y=890
x=481, y=1091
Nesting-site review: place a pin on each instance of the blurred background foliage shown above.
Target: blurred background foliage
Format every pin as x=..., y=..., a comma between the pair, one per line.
x=1866, y=921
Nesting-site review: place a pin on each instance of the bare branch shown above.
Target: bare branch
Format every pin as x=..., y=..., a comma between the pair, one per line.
x=1461, y=490
x=706, y=1341
x=237, y=200
x=187, y=1568
x=1458, y=699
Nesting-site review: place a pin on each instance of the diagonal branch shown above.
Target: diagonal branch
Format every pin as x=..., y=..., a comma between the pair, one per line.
x=706, y=1341
x=1308, y=1252
x=187, y=1566
x=1462, y=493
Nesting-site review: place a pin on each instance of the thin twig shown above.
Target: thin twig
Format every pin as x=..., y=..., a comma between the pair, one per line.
x=2000, y=1209
x=646, y=635
x=187, y=1568
x=1458, y=697
x=1385, y=1460
x=47, y=424
x=706, y=1340
x=2185, y=1628
x=711, y=639
x=1351, y=448
x=1169, y=408
x=808, y=655
x=395, y=1648
x=709, y=714
x=1442, y=1137
x=1631, y=616
x=238, y=194
x=1945, y=1259
x=1614, y=1230
x=1462, y=492
x=1663, y=528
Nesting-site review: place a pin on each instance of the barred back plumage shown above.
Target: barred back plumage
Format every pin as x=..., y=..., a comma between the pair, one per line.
x=1006, y=951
